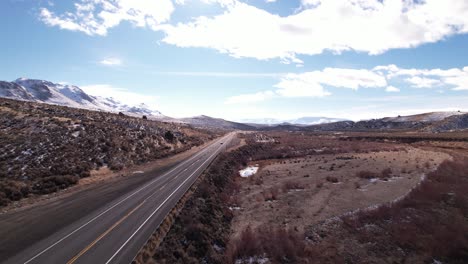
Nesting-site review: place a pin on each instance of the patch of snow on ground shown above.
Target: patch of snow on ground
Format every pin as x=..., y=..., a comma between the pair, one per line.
x=249, y=171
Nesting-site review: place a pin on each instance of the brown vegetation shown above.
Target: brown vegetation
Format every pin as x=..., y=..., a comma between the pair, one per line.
x=429, y=224
x=383, y=175
x=275, y=244
x=203, y=231
x=44, y=148
x=426, y=225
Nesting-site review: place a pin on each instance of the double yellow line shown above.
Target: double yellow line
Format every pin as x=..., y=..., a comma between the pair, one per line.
x=71, y=261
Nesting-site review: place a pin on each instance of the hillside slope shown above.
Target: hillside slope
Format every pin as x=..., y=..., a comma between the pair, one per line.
x=210, y=122
x=44, y=148
x=429, y=122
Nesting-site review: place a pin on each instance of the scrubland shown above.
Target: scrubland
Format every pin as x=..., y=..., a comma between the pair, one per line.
x=329, y=198
x=46, y=148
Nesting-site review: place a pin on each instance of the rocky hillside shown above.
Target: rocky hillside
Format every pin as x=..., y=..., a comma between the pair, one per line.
x=428, y=122
x=44, y=148
x=452, y=123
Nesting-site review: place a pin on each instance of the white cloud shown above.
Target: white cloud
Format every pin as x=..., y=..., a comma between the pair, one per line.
x=422, y=82
x=243, y=30
x=310, y=84
x=95, y=17
x=250, y=98
x=454, y=78
x=314, y=83
x=111, y=62
x=223, y=74
x=370, y=26
x=123, y=95
x=392, y=89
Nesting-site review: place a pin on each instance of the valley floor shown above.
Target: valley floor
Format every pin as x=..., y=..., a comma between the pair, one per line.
x=324, y=198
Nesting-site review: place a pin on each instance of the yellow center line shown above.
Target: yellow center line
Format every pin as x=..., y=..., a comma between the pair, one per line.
x=104, y=234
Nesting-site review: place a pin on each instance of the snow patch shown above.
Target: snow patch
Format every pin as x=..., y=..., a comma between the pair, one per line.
x=249, y=171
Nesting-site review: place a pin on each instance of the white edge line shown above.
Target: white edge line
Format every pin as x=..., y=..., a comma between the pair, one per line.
x=110, y=208
x=157, y=209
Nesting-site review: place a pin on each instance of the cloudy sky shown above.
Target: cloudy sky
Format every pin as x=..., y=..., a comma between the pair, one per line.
x=237, y=59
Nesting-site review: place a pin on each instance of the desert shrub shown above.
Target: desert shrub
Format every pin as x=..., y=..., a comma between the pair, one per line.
x=116, y=165
x=271, y=194
x=247, y=245
x=357, y=185
x=3, y=199
x=429, y=223
x=169, y=136
x=12, y=191
x=332, y=179
x=367, y=174
x=257, y=180
x=292, y=185
x=385, y=173
x=277, y=244
x=54, y=183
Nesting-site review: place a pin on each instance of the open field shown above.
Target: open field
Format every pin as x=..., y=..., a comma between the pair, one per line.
x=335, y=207
x=328, y=198
x=297, y=192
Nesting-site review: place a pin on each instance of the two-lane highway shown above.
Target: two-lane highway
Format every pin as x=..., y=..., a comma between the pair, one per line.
x=116, y=232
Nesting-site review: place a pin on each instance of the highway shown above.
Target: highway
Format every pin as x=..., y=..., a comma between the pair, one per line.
x=115, y=232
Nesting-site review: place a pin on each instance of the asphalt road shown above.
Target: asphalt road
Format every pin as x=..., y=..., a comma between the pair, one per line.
x=116, y=231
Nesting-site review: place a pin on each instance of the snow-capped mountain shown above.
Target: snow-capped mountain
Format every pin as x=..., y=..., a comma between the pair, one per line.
x=68, y=95
x=313, y=120
x=304, y=121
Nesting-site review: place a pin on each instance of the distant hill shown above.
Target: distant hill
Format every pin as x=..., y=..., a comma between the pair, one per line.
x=68, y=95
x=72, y=96
x=451, y=123
x=42, y=91
x=302, y=121
x=210, y=122
x=430, y=122
x=425, y=117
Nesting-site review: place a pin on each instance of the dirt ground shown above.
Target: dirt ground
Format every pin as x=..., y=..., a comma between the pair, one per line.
x=297, y=193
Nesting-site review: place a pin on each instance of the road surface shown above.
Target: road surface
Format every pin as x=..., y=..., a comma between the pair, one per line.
x=115, y=232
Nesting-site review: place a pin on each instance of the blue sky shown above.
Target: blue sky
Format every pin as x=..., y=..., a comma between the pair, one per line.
x=237, y=59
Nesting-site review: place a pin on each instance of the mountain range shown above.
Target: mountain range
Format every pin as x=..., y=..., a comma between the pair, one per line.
x=72, y=96
x=68, y=95
x=302, y=121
